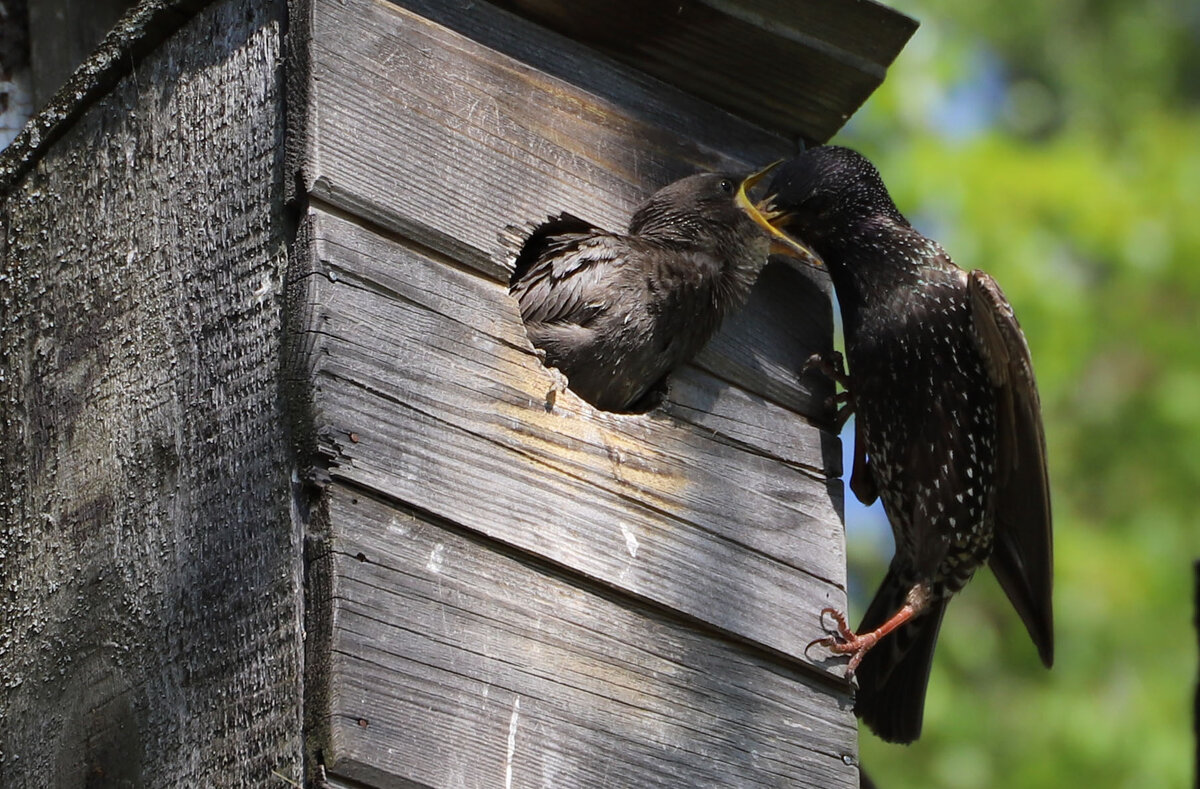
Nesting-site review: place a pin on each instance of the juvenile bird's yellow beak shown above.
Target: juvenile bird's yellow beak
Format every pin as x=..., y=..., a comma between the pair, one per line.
x=764, y=214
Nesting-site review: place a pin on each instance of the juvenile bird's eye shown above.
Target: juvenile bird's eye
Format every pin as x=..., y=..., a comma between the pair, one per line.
x=726, y=186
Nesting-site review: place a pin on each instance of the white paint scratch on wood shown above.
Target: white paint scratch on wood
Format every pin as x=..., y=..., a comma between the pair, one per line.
x=512, y=741
x=631, y=541
x=435, y=558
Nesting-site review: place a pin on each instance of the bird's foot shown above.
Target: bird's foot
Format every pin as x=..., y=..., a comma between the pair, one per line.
x=831, y=364
x=846, y=641
x=843, y=401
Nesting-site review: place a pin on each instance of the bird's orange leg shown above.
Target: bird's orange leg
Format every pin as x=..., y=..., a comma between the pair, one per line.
x=847, y=642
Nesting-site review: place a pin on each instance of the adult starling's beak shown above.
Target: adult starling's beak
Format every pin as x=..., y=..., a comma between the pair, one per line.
x=764, y=214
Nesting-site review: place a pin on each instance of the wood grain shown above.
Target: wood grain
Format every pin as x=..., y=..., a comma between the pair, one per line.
x=431, y=134
x=426, y=390
x=458, y=663
x=798, y=68
x=149, y=628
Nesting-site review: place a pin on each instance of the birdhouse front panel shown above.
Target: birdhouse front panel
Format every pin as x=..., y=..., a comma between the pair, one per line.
x=508, y=586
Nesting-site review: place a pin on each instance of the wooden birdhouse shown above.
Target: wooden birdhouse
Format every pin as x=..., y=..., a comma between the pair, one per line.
x=287, y=495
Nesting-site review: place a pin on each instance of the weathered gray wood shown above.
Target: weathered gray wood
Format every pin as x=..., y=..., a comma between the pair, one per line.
x=426, y=132
x=62, y=34
x=426, y=390
x=134, y=37
x=748, y=421
x=764, y=346
x=799, y=68
x=149, y=626
x=434, y=136
x=456, y=663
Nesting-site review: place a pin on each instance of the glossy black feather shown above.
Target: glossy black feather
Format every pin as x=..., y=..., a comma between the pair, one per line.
x=537, y=243
x=1022, y=554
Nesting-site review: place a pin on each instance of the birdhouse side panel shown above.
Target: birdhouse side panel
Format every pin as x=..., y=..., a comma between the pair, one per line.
x=149, y=560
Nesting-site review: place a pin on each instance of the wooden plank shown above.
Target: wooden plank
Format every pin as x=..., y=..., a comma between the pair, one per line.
x=458, y=664
x=749, y=422
x=151, y=632
x=799, y=68
x=428, y=134
x=763, y=347
x=427, y=391
x=431, y=134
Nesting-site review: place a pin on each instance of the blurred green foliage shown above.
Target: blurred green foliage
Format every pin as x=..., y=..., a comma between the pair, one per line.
x=1057, y=145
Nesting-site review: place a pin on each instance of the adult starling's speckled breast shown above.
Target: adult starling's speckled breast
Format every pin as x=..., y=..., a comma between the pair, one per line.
x=617, y=312
x=949, y=429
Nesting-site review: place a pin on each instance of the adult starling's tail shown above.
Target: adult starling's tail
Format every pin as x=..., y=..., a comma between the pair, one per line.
x=893, y=676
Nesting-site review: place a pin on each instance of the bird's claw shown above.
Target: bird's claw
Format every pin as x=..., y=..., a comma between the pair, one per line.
x=845, y=641
x=843, y=406
x=831, y=364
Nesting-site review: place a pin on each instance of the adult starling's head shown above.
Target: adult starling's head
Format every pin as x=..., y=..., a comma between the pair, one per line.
x=827, y=193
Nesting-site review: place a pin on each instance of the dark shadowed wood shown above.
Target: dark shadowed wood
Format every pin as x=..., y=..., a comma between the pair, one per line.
x=426, y=390
x=149, y=628
x=133, y=38
x=457, y=663
x=62, y=33
x=799, y=68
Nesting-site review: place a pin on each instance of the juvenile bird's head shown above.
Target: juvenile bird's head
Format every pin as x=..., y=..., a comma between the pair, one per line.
x=690, y=209
x=714, y=209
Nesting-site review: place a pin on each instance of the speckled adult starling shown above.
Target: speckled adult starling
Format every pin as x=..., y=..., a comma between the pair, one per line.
x=949, y=428
x=617, y=312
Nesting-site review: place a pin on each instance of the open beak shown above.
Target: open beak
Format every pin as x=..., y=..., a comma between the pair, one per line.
x=764, y=214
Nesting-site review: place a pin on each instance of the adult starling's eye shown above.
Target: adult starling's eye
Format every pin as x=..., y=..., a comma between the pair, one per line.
x=726, y=186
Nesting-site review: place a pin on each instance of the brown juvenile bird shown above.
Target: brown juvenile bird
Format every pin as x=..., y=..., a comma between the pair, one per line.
x=617, y=312
x=949, y=428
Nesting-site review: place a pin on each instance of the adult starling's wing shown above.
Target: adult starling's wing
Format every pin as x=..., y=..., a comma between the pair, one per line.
x=567, y=281
x=1022, y=555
